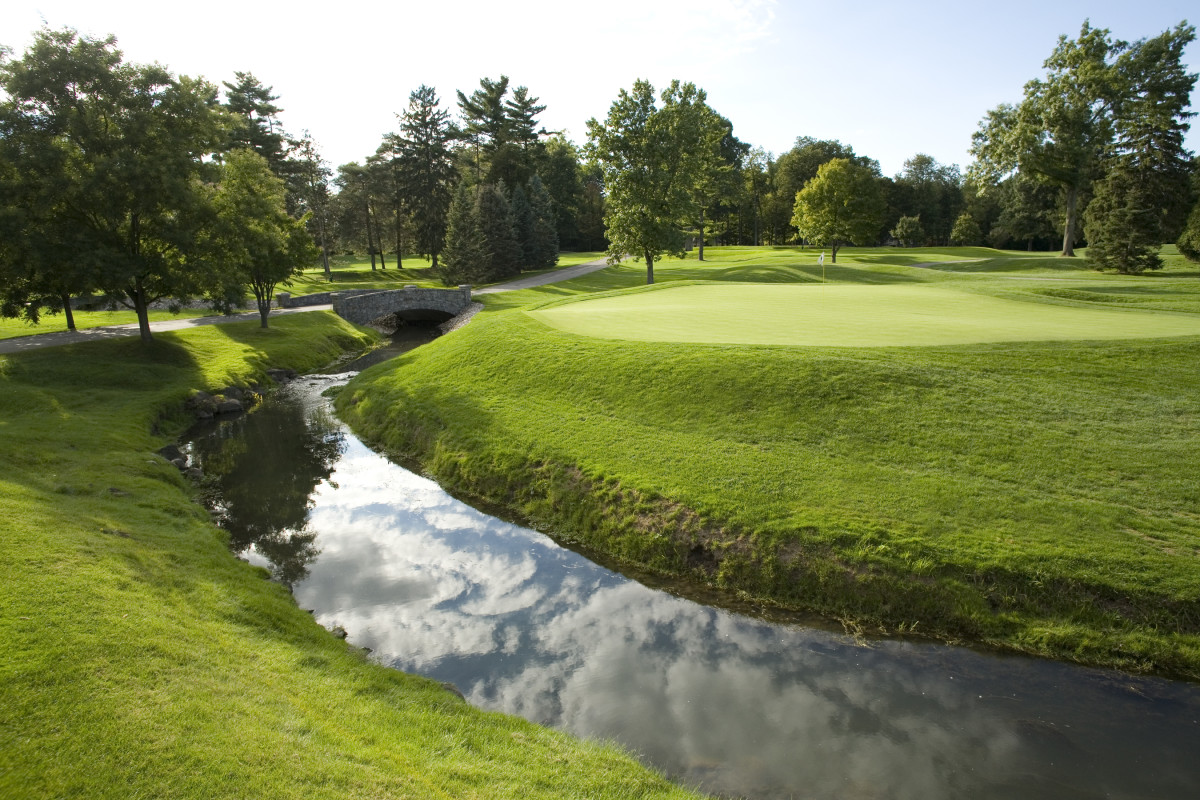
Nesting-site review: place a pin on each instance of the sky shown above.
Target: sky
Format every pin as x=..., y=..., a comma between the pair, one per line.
x=890, y=79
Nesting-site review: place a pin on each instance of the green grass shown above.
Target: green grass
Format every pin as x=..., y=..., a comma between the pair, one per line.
x=844, y=315
x=142, y=660
x=1039, y=496
x=52, y=323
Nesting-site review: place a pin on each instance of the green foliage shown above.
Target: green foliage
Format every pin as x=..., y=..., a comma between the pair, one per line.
x=1122, y=225
x=426, y=164
x=1189, y=239
x=1100, y=99
x=497, y=227
x=909, y=232
x=966, y=230
x=465, y=250
x=253, y=242
x=502, y=133
x=523, y=224
x=931, y=191
x=119, y=151
x=544, y=234
x=653, y=159
x=253, y=107
x=842, y=204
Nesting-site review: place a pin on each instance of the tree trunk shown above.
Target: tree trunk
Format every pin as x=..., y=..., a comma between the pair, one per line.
x=649, y=267
x=399, y=242
x=1029, y=245
x=1069, y=229
x=370, y=244
x=324, y=249
x=66, y=301
x=833, y=254
x=700, y=254
x=138, y=296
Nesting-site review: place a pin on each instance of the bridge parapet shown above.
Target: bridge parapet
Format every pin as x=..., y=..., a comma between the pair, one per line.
x=363, y=309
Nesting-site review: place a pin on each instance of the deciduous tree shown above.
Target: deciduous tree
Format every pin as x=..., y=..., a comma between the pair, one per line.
x=842, y=204
x=253, y=242
x=129, y=147
x=646, y=154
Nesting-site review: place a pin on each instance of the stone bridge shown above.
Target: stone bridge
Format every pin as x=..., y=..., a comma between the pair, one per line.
x=395, y=306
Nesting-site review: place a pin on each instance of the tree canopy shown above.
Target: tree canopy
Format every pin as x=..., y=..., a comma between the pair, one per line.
x=110, y=156
x=1100, y=98
x=653, y=159
x=843, y=204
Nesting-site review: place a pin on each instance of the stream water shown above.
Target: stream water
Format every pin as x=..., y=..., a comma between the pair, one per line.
x=733, y=704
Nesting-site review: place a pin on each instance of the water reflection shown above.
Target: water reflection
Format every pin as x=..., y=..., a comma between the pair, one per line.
x=736, y=705
x=264, y=468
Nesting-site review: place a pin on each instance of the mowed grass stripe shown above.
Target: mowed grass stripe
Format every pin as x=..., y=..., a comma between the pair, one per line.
x=839, y=315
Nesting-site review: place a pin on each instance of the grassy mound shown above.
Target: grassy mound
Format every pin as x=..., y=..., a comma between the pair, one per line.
x=1038, y=496
x=142, y=660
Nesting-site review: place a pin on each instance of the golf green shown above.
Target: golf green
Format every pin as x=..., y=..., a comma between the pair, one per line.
x=841, y=315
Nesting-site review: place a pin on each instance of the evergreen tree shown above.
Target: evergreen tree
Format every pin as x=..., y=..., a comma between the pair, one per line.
x=1122, y=224
x=253, y=106
x=1189, y=240
x=1142, y=199
x=545, y=231
x=465, y=252
x=497, y=226
x=523, y=226
x=426, y=168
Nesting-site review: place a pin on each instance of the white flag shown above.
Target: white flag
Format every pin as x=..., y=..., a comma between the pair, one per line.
x=821, y=260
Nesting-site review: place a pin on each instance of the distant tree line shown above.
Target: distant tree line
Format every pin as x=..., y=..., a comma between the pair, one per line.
x=126, y=180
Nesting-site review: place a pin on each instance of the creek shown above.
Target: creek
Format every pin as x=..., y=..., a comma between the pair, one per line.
x=727, y=700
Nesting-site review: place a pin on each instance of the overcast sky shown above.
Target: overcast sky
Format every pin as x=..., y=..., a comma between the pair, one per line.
x=889, y=78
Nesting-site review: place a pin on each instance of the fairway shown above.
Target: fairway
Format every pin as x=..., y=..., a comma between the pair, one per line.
x=847, y=316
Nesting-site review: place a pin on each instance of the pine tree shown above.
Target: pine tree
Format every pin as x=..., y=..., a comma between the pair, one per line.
x=523, y=219
x=498, y=228
x=544, y=251
x=465, y=253
x=1123, y=224
x=1189, y=241
x=426, y=168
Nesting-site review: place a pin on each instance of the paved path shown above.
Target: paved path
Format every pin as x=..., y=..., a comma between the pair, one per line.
x=555, y=276
x=22, y=344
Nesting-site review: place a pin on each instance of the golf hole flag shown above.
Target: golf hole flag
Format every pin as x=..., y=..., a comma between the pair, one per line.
x=821, y=258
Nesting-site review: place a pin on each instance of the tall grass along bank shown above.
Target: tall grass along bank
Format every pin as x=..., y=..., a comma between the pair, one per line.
x=142, y=660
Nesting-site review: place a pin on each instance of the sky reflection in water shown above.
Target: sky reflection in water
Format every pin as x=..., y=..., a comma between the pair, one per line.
x=733, y=704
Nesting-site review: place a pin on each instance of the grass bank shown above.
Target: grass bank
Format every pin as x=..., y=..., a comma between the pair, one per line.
x=1039, y=496
x=142, y=660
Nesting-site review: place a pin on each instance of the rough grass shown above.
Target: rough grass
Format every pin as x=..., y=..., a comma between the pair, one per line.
x=1038, y=496
x=142, y=660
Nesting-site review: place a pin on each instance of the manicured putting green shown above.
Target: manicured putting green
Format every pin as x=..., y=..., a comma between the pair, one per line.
x=833, y=315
